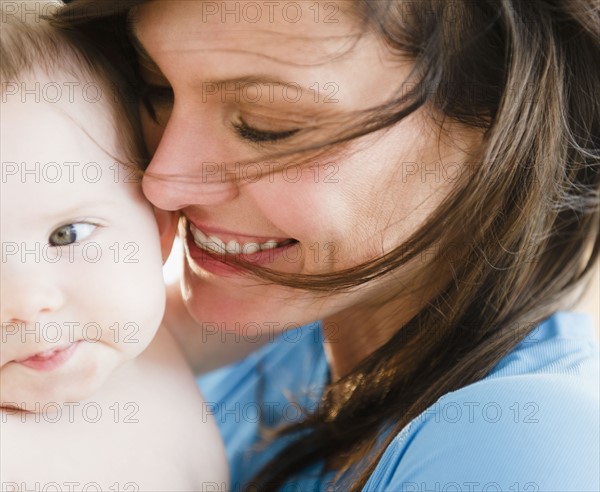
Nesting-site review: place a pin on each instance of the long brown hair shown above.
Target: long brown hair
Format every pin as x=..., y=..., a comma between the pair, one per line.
x=523, y=72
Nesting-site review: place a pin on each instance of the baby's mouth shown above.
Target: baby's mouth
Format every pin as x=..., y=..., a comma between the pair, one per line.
x=46, y=354
x=50, y=359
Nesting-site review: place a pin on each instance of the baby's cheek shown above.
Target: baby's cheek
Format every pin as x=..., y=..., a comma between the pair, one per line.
x=142, y=314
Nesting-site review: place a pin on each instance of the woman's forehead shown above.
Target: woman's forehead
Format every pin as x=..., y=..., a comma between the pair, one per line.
x=178, y=40
x=307, y=37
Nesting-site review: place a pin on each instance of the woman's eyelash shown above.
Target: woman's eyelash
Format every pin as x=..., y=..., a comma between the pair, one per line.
x=260, y=136
x=155, y=96
x=157, y=93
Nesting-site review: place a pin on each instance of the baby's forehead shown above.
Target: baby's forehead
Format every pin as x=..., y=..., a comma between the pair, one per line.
x=43, y=68
x=41, y=108
x=76, y=141
x=41, y=64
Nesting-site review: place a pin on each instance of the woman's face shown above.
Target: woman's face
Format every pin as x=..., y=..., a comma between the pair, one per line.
x=245, y=77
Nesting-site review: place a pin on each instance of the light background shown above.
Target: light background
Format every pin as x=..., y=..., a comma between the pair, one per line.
x=173, y=267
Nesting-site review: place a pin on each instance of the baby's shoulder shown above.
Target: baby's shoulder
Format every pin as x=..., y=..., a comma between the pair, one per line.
x=171, y=400
x=162, y=377
x=163, y=348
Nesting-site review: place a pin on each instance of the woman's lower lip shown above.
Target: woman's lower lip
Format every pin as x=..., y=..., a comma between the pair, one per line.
x=219, y=264
x=54, y=361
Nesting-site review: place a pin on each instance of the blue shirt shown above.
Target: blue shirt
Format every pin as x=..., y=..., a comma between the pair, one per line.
x=532, y=424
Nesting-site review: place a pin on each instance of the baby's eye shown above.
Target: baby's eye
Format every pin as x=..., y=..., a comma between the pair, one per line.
x=70, y=233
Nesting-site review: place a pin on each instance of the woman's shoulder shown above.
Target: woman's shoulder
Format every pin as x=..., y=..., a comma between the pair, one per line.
x=531, y=424
x=496, y=438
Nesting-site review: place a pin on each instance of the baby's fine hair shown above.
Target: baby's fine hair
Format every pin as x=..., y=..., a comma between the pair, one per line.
x=28, y=42
x=30, y=45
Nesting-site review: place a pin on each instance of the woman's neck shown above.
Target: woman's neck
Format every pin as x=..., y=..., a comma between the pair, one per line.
x=355, y=333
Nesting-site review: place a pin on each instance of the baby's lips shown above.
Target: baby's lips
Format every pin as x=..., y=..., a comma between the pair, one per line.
x=42, y=352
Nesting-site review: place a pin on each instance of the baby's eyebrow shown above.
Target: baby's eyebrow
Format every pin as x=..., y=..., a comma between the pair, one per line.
x=84, y=210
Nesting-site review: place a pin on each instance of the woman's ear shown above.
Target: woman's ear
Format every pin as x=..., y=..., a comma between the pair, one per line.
x=167, y=228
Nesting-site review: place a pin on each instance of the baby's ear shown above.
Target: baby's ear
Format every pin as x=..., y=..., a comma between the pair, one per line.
x=167, y=228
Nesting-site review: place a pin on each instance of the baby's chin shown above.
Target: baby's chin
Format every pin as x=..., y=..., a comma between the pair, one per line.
x=50, y=402
x=61, y=396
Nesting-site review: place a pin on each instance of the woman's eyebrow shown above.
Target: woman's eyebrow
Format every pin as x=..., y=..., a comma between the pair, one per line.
x=244, y=81
x=238, y=82
x=260, y=79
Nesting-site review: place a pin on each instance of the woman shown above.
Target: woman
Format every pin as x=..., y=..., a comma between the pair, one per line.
x=424, y=178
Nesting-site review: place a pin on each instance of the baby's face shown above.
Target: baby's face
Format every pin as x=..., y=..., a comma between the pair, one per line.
x=82, y=288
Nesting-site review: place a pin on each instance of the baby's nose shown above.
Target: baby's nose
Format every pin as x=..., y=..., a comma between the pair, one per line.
x=25, y=299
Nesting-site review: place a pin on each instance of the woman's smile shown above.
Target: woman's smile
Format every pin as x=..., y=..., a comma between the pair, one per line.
x=227, y=243
x=217, y=251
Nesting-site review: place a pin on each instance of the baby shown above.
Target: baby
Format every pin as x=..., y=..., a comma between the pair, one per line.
x=95, y=395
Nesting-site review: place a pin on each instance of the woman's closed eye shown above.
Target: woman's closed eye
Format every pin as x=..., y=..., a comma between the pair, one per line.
x=156, y=99
x=255, y=135
x=158, y=94
x=71, y=233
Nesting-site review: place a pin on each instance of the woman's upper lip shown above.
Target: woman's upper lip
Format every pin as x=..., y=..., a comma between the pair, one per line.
x=227, y=235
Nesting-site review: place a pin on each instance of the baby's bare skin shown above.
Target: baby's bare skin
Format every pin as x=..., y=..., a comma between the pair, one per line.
x=147, y=429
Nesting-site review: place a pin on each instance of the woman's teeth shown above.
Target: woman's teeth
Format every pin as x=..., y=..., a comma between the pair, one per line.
x=216, y=245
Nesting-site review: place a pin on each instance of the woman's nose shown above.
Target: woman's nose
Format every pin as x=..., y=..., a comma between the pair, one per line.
x=191, y=166
x=25, y=297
